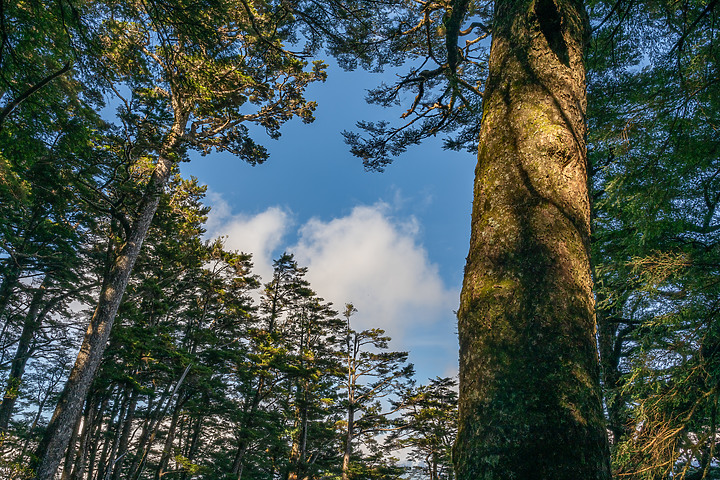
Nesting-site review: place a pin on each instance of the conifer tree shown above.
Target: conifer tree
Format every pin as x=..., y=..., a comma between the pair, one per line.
x=188, y=84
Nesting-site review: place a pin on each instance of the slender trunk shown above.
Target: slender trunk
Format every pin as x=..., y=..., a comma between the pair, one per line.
x=105, y=438
x=530, y=402
x=93, y=411
x=125, y=436
x=10, y=280
x=167, y=447
x=10, y=277
x=95, y=434
x=238, y=464
x=348, y=443
x=148, y=423
x=36, y=420
x=108, y=463
x=250, y=414
x=33, y=321
x=302, y=457
x=153, y=432
x=610, y=341
x=112, y=438
x=73, y=457
x=17, y=367
x=192, y=443
x=55, y=440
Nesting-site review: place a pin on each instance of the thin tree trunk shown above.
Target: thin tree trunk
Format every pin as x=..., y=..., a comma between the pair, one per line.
x=243, y=445
x=55, y=440
x=125, y=437
x=119, y=427
x=107, y=461
x=93, y=411
x=193, y=442
x=10, y=280
x=610, y=341
x=33, y=321
x=73, y=457
x=153, y=432
x=95, y=434
x=169, y=439
x=106, y=441
x=17, y=367
x=348, y=443
x=148, y=425
x=530, y=403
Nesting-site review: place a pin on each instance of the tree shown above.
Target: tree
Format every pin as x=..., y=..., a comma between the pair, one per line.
x=429, y=427
x=372, y=375
x=530, y=399
x=189, y=83
x=653, y=117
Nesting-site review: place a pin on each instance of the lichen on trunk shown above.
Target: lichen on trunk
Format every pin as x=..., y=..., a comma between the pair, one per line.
x=529, y=394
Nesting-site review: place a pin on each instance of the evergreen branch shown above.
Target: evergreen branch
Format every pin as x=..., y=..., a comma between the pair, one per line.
x=30, y=91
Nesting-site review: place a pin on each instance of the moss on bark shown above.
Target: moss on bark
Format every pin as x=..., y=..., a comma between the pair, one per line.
x=529, y=395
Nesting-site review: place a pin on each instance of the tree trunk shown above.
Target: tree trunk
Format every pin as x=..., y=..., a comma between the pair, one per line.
x=610, y=342
x=348, y=443
x=530, y=402
x=17, y=367
x=57, y=435
x=168, y=446
x=105, y=437
x=193, y=443
x=125, y=436
x=94, y=438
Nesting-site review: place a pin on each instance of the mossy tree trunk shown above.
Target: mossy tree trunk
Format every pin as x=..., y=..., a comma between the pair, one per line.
x=530, y=405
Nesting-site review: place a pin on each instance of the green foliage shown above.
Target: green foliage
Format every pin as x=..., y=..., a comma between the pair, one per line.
x=653, y=124
x=444, y=52
x=429, y=427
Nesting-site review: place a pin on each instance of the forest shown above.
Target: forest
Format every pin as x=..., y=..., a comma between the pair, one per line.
x=134, y=346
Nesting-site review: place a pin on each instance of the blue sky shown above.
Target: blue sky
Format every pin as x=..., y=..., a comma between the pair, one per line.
x=392, y=243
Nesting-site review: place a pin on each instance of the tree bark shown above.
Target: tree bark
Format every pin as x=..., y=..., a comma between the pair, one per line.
x=55, y=440
x=530, y=403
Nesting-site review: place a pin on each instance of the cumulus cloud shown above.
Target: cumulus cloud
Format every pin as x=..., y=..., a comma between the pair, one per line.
x=368, y=258
x=260, y=234
x=375, y=262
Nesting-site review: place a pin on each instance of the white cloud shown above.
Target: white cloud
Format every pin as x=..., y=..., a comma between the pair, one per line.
x=368, y=258
x=259, y=234
x=375, y=262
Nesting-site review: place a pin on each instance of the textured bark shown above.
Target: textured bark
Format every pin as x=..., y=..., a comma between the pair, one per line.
x=55, y=441
x=530, y=404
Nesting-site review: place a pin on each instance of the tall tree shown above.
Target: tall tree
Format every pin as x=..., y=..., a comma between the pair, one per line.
x=373, y=375
x=190, y=82
x=654, y=148
x=429, y=427
x=530, y=400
